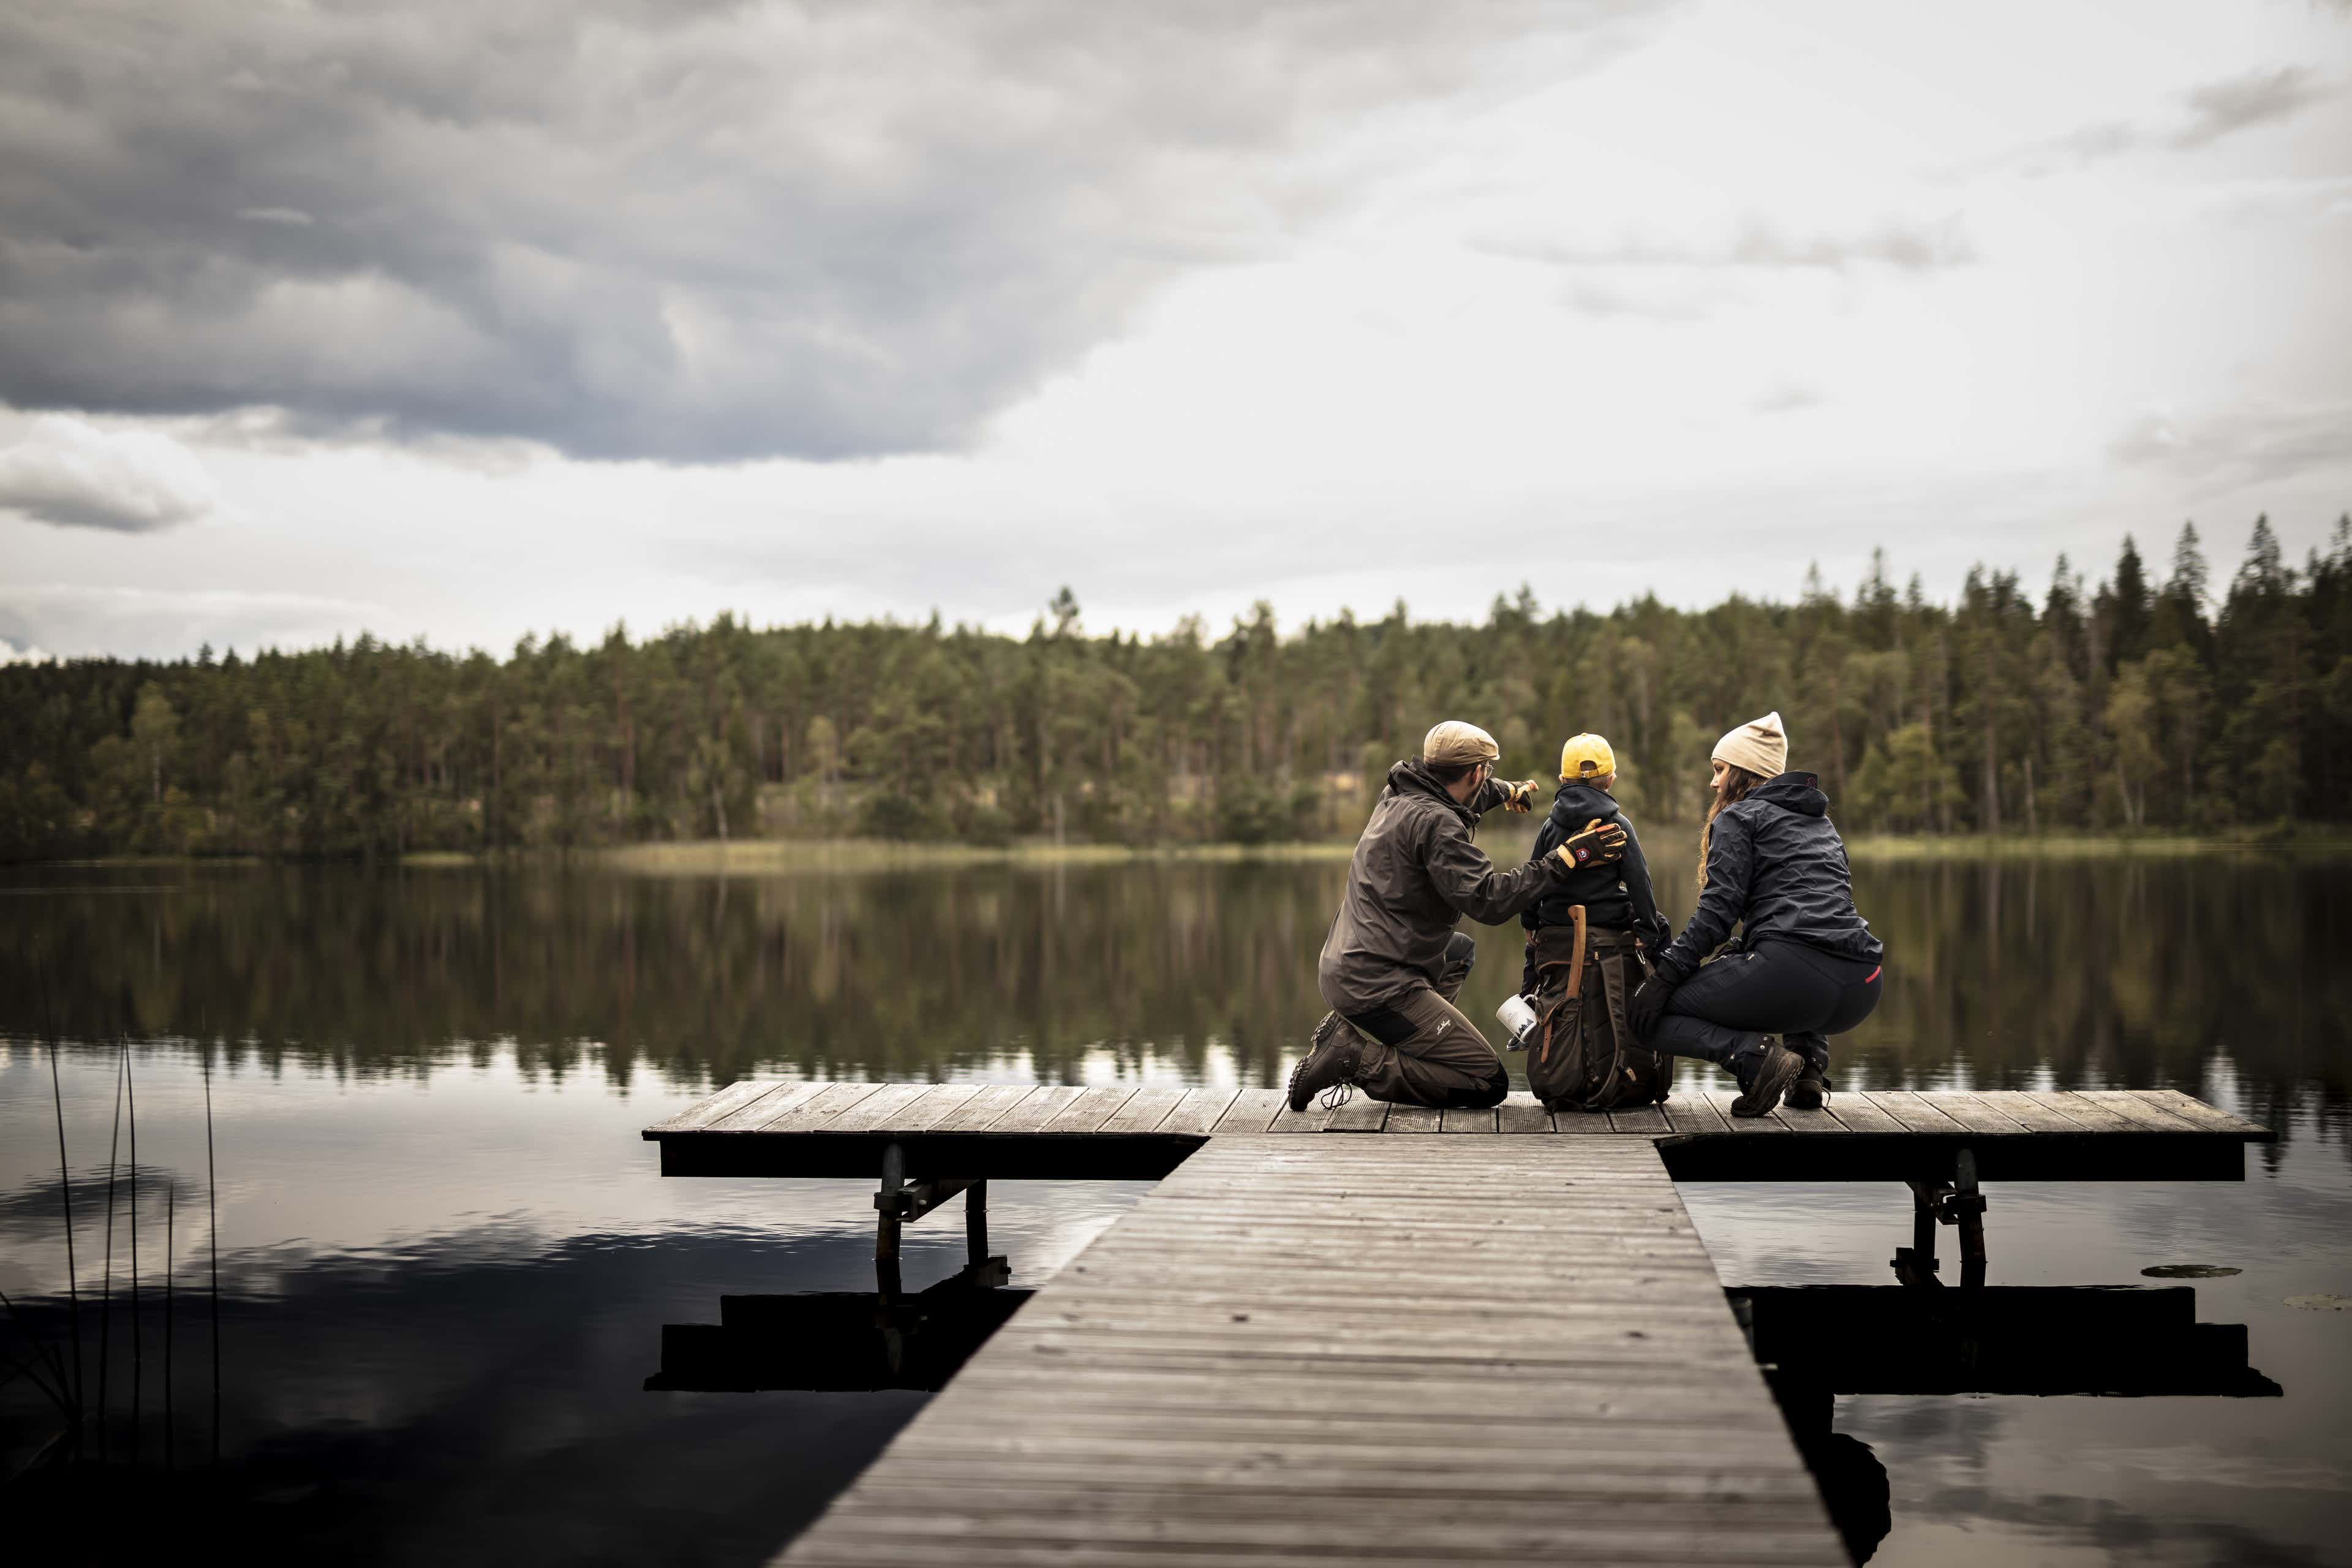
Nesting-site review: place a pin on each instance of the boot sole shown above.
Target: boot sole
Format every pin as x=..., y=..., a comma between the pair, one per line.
x=1771, y=1082
x=1799, y=1098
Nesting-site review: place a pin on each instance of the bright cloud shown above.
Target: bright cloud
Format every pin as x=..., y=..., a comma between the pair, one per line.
x=68, y=472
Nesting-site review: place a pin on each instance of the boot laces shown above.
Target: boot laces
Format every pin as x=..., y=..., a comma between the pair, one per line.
x=1337, y=1095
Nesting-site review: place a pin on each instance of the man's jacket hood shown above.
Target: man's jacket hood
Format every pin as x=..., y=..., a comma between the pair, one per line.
x=1412, y=776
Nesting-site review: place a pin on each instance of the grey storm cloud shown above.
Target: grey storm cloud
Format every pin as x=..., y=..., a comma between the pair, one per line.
x=2258, y=98
x=1754, y=244
x=2216, y=109
x=2231, y=447
x=681, y=231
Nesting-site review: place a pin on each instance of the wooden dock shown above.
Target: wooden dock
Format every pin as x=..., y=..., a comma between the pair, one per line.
x=1013, y=1130
x=1481, y=1337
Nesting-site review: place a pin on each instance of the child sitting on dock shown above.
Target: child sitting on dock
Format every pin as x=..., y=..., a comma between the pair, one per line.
x=1583, y=940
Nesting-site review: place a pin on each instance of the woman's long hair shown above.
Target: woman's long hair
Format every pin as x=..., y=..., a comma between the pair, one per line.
x=1737, y=784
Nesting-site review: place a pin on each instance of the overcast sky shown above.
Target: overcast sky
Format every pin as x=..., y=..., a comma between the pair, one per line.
x=467, y=321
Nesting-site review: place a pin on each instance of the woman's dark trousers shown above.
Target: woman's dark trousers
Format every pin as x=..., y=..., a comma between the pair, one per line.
x=1776, y=987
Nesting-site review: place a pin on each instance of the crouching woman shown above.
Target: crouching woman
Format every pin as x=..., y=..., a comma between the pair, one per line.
x=1806, y=965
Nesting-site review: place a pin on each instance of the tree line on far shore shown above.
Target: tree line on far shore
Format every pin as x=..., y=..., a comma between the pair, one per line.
x=2143, y=703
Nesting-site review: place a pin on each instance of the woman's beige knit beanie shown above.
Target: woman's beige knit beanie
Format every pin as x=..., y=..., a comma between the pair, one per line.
x=1760, y=745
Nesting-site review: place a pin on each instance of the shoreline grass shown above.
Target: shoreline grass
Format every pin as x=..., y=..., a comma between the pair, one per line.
x=755, y=857
x=711, y=857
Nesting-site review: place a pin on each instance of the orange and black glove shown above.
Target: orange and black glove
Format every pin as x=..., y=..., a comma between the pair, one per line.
x=1520, y=797
x=1600, y=844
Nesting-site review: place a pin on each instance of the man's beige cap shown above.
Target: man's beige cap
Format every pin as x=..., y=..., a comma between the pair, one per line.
x=1452, y=743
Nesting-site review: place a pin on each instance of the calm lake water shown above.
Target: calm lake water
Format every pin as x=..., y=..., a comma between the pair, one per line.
x=446, y=1260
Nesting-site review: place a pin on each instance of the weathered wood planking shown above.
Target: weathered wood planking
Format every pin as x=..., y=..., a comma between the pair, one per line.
x=1115, y=1131
x=1233, y=1371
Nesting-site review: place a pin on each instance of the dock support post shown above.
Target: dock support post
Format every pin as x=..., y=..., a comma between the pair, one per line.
x=1967, y=1205
x=901, y=1202
x=1957, y=1203
x=889, y=1205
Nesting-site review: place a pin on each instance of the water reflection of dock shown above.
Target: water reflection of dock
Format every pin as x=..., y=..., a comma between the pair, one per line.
x=1280, y=1353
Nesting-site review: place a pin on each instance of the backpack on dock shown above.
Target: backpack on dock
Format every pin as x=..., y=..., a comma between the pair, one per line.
x=1582, y=1054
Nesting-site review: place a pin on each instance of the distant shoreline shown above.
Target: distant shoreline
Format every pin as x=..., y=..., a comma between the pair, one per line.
x=1667, y=841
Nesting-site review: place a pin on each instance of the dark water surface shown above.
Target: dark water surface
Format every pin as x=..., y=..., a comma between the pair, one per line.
x=446, y=1260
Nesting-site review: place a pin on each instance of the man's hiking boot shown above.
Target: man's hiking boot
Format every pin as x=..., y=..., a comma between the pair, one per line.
x=1332, y=1062
x=1772, y=1076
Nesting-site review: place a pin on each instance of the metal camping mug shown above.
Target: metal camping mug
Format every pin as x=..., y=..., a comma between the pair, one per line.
x=1518, y=1020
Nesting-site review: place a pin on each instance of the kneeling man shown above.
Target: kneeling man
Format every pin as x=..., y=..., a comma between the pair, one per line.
x=1393, y=963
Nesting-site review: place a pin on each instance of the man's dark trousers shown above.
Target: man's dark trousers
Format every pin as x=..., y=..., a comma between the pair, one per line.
x=1421, y=1049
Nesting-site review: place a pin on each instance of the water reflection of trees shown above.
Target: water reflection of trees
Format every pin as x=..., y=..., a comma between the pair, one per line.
x=2130, y=971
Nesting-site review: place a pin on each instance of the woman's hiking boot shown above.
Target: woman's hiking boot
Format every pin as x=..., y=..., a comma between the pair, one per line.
x=1330, y=1064
x=1768, y=1078
x=1812, y=1089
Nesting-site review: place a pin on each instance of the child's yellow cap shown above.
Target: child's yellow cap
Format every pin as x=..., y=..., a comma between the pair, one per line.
x=1586, y=757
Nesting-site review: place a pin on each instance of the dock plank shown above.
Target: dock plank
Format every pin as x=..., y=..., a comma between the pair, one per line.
x=1522, y=1112
x=1145, y=1109
x=753, y=1113
x=1721, y=1099
x=887, y=1107
x=1974, y=1112
x=1414, y=1118
x=986, y=1107
x=1092, y=1107
x=1038, y=1109
x=712, y=1107
x=2034, y=1116
x=1857, y=1114
x=1252, y=1110
x=821, y=1109
x=1690, y=1114
x=2133, y=1106
x=2207, y=1116
x=1363, y=1113
x=2087, y=1115
x=1198, y=1111
x=1817, y=1119
x=1464, y=1120
x=1915, y=1113
x=1314, y=1119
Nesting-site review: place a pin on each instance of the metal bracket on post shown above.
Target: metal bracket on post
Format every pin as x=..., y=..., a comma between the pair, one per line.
x=1957, y=1203
x=901, y=1202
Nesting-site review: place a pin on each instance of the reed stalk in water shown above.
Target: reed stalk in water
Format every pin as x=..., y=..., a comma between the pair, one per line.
x=106, y=1283
x=138, y=1360
x=65, y=1198
x=211, y=1226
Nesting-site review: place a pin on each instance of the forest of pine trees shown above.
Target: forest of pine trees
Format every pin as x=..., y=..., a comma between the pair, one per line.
x=2152, y=702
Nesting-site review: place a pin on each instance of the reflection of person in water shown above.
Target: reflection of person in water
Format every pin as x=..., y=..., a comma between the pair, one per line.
x=1854, y=1488
x=1854, y=1483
